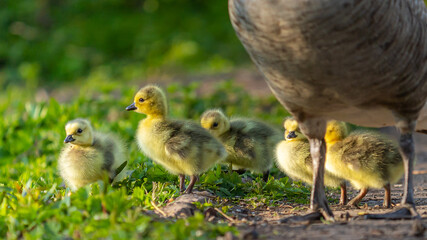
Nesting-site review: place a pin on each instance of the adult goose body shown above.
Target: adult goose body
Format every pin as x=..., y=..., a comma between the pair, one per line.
x=359, y=61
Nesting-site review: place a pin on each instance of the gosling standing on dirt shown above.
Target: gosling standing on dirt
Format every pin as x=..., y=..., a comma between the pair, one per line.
x=182, y=147
x=89, y=156
x=294, y=159
x=250, y=144
x=366, y=159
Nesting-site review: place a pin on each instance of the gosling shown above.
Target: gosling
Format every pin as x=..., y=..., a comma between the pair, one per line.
x=89, y=156
x=294, y=159
x=249, y=143
x=365, y=158
x=182, y=147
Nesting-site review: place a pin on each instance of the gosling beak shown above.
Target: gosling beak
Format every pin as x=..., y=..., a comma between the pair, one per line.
x=69, y=138
x=131, y=107
x=291, y=135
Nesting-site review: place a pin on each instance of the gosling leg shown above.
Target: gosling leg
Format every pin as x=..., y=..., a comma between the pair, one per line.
x=193, y=180
x=343, y=197
x=406, y=143
x=239, y=171
x=387, y=196
x=356, y=200
x=181, y=183
x=265, y=175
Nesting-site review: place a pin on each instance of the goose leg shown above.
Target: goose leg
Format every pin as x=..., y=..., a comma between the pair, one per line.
x=315, y=129
x=406, y=142
x=387, y=197
x=181, y=183
x=193, y=180
x=318, y=201
x=343, y=197
x=356, y=200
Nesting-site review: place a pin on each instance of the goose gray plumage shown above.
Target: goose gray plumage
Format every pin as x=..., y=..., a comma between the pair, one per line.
x=358, y=61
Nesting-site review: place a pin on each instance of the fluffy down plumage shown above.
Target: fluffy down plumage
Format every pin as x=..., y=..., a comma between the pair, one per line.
x=89, y=156
x=182, y=147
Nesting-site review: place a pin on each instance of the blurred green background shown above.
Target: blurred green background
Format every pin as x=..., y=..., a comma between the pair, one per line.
x=46, y=42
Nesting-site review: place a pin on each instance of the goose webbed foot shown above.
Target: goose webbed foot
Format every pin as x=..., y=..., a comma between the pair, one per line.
x=321, y=211
x=312, y=217
x=407, y=211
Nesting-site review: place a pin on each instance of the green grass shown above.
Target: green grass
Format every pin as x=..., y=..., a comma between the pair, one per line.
x=34, y=203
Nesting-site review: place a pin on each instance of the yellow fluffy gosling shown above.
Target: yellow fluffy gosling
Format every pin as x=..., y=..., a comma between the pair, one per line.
x=182, y=147
x=249, y=143
x=366, y=159
x=89, y=156
x=294, y=159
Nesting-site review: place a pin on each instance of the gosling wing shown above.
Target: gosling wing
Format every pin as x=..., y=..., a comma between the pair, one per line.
x=186, y=138
x=366, y=151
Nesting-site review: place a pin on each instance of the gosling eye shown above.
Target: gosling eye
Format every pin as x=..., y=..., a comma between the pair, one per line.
x=215, y=124
x=141, y=100
x=292, y=134
x=79, y=130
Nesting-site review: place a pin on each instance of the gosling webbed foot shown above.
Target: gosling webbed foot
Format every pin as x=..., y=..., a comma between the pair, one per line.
x=407, y=211
x=348, y=207
x=353, y=205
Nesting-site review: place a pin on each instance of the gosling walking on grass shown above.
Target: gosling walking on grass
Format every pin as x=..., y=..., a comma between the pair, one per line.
x=89, y=156
x=294, y=159
x=250, y=144
x=365, y=158
x=182, y=147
